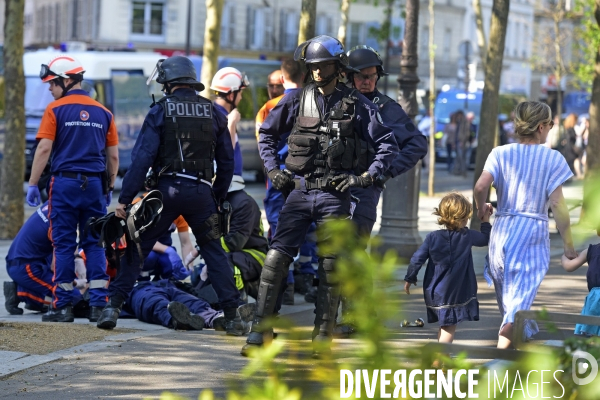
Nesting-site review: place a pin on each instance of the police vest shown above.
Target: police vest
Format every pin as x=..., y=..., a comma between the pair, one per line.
x=367, y=151
x=188, y=143
x=319, y=146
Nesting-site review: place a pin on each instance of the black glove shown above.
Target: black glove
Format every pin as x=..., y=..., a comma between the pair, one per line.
x=381, y=180
x=281, y=180
x=345, y=181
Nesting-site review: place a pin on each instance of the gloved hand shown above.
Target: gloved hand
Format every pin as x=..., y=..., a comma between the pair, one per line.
x=80, y=283
x=280, y=179
x=345, y=181
x=108, y=197
x=381, y=180
x=33, y=196
x=189, y=259
x=80, y=269
x=174, y=258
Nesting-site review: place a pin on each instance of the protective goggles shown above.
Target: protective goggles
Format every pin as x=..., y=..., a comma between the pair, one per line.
x=245, y=82
x=154, y=73
x=46, y=72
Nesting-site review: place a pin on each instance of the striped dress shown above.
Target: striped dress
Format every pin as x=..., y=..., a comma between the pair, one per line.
x=519, y=249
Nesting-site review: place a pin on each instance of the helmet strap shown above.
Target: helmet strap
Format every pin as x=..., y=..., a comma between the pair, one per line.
x=231, y=102
x=167, y=88
x=60, y=81
x=327, y=80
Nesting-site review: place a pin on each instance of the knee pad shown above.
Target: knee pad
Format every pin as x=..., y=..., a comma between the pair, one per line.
x=276, y=265
x=326, y=268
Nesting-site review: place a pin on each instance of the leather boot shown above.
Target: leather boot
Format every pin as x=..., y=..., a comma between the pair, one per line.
x=95, y=313
x=110, y=313
x=63, y=314
x=182, y=319
x=11, y=301
x=276, y=265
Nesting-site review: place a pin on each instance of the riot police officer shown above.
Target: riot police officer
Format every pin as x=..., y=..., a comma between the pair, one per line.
x=411, y=143
x=181, y=137
x=327, y=120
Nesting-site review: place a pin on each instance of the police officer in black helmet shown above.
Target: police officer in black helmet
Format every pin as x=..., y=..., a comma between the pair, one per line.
x=327, y=121
x=411, y=143
x=181, y=137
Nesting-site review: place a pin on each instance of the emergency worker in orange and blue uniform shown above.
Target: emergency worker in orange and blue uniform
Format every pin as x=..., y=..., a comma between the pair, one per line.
x=82, y=136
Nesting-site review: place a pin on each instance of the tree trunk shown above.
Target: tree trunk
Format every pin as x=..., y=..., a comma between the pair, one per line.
x=345, y=9
x=489, y=104
x=212, y=39
x=13, y=164
x=430, y=186
x=557, y=17
x=590, y=213
x=308, y=16
x=481, y=43
x=399, y=227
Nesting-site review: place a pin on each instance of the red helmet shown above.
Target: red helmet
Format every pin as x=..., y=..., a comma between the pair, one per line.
x=63, y=66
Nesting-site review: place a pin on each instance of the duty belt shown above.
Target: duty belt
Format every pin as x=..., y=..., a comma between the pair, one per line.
x=314, y=183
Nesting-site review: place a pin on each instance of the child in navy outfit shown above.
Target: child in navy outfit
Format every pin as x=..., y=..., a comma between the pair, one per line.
x=591, y=255
x=450, y=286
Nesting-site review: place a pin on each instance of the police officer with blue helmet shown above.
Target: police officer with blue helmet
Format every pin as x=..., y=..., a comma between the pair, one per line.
x=181, y=137
x=327, y=120
x=411, y=143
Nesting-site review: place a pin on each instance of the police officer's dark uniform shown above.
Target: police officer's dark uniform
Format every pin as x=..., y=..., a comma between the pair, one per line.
x=411, y=143
x=324, y=146
x=181, y=137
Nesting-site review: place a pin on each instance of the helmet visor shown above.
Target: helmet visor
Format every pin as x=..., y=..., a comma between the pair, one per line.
x=45, y=72
x=154, y=73
x=245, y=82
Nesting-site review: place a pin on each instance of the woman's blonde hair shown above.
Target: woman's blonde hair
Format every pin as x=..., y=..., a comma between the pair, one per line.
x=454, y=208
x=529, y=115
x=570, y=121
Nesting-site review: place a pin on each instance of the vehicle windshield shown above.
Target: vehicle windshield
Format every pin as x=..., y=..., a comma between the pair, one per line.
x=37, y=96
x=444, y=106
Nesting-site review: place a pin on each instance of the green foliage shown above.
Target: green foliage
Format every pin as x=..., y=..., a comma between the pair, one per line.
x=587, y=43
x=508, y=101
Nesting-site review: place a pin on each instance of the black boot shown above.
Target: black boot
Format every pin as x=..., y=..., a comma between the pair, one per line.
x=328, y=298
x=95, y=313
x=288, y=295
x=110, y=314
x=183, y=319
x=11, y=301
x=275, y=267
x=303, y=283
x=63, y=314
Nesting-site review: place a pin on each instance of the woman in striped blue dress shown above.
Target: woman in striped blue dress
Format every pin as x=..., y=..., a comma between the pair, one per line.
x=528, y=178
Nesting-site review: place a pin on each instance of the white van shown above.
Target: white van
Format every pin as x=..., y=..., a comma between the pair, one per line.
x=119, y=82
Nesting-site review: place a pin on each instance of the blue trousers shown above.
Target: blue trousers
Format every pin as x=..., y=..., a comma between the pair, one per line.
x=34, y=282
x=274, y=202
x=195, y=202
x=302, y=208
x=148, y=303
x=71, y=203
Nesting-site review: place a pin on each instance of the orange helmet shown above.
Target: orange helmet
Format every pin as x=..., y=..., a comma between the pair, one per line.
x=63, y=66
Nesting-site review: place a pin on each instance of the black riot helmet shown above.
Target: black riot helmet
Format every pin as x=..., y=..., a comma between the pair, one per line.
x=177, y=70
x=323, y=48
x=360, y=57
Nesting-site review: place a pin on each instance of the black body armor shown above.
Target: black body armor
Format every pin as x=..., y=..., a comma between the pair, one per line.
x=188, y=144
x=367, y=151
x=319, y=147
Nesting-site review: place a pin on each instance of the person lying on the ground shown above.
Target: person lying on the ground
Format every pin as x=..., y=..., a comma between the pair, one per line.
x=245, y=243
x=162, y=303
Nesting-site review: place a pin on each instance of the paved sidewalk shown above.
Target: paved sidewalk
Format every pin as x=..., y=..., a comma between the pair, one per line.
x=154, y=359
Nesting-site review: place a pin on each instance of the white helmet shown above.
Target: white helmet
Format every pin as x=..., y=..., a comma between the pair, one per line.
x=63, y=66
x=228, y=80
